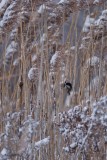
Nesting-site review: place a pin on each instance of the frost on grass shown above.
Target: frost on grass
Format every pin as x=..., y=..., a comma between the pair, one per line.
x=16, y=61
x=88, y=23
x=3, y=5
x=95, y=28
x=34, y=58
x=83, y=128
x=94, y=85
x=4, y=151
x=93, y=61
x=13, y=34
x=63, y=2
x=43, y=38
x=11, y=49
x=54, y=58
x=100, y=22
x=79, y=125
x=96, y=1
x=42, y=9
x=4, y=154
x=33, y=73
x=8, y=15
x=20, y=135
x=42, y=143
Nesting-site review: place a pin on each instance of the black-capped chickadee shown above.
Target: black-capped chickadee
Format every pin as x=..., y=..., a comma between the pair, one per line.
x=68, y=87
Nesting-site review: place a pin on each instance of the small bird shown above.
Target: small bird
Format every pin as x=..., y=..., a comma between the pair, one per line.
x=68, y=87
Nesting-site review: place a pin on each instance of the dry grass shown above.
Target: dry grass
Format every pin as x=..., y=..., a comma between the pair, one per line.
x=43, y=97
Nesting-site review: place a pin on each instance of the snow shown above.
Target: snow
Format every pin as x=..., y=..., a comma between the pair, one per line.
x=7, y=15
x=96, y=1
x=93, y=61
x=73, y=145
x=49, y=27
x=104, y=120
x=16, y=62
x=104, y=12
x=76, y=124
x=52, y=14
x=105, y=138
x=42, y=142
x=82, y=47
x=7, y=128
x=32, y=74
x=13, y=44
x=22, y=16
x=72, y=124
x=11, y=49
x=63, y=1
x=3, y=2
x=88, y=22
x=41, y=9
x=43, y=38
x=73, y=48
x=66, y=149
x=94, y=85
x=4, y=151
x=102, y=19
x=54, y=58
x=13, y=34
x=34, y=58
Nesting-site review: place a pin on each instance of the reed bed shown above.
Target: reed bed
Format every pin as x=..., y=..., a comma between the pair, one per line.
x=39, y=119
